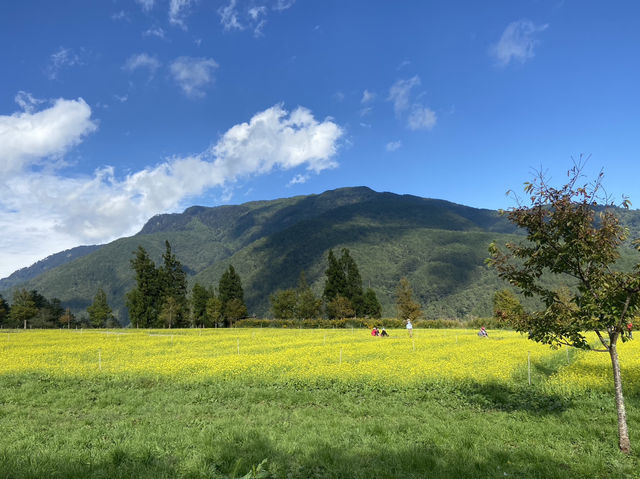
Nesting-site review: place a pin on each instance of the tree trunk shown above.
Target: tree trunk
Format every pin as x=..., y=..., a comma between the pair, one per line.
x=623, y=432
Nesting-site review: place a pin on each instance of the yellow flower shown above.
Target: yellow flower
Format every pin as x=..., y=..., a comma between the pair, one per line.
x=305, y=357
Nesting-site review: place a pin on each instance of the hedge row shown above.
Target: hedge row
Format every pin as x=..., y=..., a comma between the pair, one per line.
x=391, y=323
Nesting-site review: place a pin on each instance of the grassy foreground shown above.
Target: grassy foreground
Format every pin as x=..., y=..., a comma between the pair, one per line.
x=147, y=410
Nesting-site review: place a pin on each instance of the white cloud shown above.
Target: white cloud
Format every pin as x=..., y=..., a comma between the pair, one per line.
x=257, y=16
x=366, y=111
x=283, y=4
x=178, y=11
x=121, y=15
x=26, y=101
x=298, y=180
x=154, y=32
x=61, y=59
x=42, y=211
x=400, y=93
x=403, y=64
x=147, y=5
x=367, y=97
x=241, y=15
x=393, y=145
x=421, y=118
x=299, y=139
x=517, y=42
x=28, y=137
x=256, y=12
x=230, y=17
x=144, y=61
x=193, y=74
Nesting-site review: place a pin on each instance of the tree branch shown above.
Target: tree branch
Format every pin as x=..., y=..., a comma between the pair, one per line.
x=602, y=341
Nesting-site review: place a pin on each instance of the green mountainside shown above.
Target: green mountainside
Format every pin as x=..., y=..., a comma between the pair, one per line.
x=25, y=274
x=439, y=246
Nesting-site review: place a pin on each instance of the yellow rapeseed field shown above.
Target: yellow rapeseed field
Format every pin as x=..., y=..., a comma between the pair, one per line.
x=303, y=356
x=593, y=369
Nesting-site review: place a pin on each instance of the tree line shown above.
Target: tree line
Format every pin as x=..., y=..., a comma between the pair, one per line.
x=30, y=309
x=160, y=299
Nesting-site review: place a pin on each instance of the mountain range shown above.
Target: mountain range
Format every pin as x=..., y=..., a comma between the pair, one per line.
x=438, y=245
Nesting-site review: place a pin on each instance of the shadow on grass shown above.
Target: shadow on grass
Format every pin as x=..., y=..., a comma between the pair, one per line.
x=235, y=456
x=116, y=464
x=523, y=392
x=498, y=396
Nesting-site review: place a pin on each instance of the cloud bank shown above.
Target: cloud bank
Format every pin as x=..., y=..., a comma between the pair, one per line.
x=43, y=211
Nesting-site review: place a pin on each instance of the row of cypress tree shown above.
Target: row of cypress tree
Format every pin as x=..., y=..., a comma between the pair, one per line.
x=343, y=295
x=160, y=296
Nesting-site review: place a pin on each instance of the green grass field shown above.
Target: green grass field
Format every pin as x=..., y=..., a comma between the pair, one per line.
x=108, y=424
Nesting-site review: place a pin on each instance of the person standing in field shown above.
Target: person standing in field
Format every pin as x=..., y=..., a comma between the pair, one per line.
x=410, y=328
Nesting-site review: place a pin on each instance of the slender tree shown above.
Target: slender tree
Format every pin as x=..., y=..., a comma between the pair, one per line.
x=173, y=284
x=308, y=306
x=169, y=312
x=343, y=279
x=573, y=234
x=408, y=309
x=55, y=311
x=4, y=311
x=143, y=302
x=99, y=310
x=353, y=282
x=214, y=312
x=371, y=305
x=231, y=296
x=67, y=318
x=199, y=298
x=336, y=282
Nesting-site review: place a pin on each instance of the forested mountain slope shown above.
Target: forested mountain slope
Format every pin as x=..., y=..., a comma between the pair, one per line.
x=439, y=246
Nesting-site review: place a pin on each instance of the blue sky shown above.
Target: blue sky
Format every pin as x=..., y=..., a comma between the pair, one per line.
x=113, y=111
